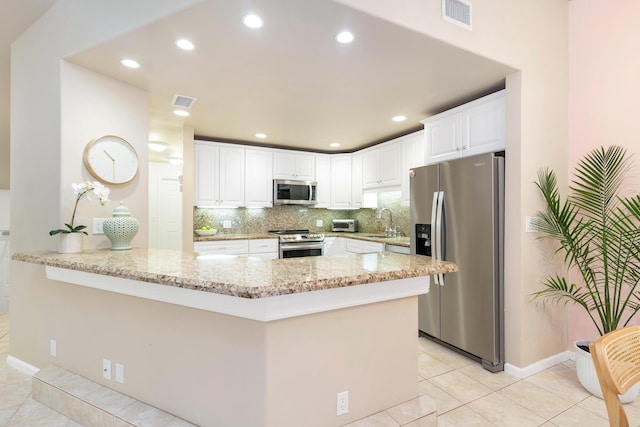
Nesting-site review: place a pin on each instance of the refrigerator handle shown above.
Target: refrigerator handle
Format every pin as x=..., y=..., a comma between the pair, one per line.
x=440, y=235
x=434, y=240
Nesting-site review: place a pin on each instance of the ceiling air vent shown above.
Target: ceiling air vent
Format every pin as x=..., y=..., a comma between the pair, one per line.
x=182, y=101
x=458, y=12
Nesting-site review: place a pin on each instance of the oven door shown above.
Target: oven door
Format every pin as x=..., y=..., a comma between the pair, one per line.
x=295, y=250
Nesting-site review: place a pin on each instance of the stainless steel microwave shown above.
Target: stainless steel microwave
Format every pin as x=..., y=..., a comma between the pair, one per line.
x=346, y=225
x=294, y=192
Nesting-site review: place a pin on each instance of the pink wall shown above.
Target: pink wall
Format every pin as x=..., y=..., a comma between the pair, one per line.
x=604, y=88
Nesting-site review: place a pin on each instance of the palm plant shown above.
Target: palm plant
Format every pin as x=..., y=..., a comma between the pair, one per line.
x=598, y=233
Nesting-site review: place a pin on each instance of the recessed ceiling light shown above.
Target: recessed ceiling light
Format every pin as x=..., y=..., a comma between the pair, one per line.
x=399, y=118
x=261, y=135
x=158, y=146
x=252, y=21
x=334, y=144
x=181, y=113
x=130, y=63
x=185, y=44
x=345, y=37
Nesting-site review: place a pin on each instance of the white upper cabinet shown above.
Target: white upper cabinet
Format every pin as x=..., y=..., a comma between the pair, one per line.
x=258, y=186
x=413, y=156
x=473, y=128
x=341, y=181
x=294, y=165
x=323, y=178
x=219, y=175
x=356, y=180
x=381, y=166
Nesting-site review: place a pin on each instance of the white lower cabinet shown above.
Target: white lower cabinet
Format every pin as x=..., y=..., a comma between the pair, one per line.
x=335, y=246
x=222, y=247
x=264, y=248
x=363, y=247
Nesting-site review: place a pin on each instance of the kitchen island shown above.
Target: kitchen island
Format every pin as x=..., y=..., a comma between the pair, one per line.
x=228, y=340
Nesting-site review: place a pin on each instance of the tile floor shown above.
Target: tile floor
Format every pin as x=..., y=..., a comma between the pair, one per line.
x=464, y=393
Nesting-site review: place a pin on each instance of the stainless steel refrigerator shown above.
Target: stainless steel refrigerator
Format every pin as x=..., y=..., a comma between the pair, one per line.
x=457, y=214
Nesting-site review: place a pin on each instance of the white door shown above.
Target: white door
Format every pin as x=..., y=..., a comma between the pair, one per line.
x=165, y=206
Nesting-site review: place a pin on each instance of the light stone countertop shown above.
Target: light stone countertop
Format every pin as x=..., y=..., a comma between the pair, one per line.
x=240, y=276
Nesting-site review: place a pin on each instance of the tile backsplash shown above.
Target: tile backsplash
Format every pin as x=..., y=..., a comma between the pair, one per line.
x=244, y=220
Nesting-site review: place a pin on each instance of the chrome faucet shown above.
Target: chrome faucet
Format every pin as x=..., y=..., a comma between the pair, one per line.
x=389, y=229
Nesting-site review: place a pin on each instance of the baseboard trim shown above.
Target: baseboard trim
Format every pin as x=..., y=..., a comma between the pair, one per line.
x=540, y=365
x=22, y=366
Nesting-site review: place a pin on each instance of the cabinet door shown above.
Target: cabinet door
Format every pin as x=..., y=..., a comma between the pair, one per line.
x=389, y=163
x=306, y=167
x=413, y=155
x=484, y=128
x=206, y=175
x=323, y=178
x=356, y=181
x=444, y=138
x=370, y=247
x=354, y=246
x=258, y=184
x=340, y=182
x=231, y=176
x=290, y=165
x=370, y=169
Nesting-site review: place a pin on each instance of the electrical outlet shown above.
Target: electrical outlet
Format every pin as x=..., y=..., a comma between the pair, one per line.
x=226, y=224
x=342, y=403
x=97, y=225
x=319, y=223
x=529, y=221
x=120, y=373
x=53, y=348
x=106, y=369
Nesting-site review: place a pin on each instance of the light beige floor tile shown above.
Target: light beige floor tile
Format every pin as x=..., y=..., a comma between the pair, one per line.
x=450, y=357
x=425, y=344
x=109, y=400
x=545, y=404
x=444, y=401
x=578, y=417
x=79, y=410
x=144, y=415
x=559, y=385
x=76, y=385
x=8, y=375
x=493, y=380
x=595, y=405
x=429, y=367
x=13, y=395
x=177, y=422
x=428, y=421
x=4, y=344
x=566, y=369
x=381, y=419
x=460, y=386
x=505, y=412
x=34, y=414
x=412, y=410
x=463, y=416
x=4, y=324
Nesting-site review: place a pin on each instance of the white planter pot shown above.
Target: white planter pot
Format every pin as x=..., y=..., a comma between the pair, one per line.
x=69, y=243
x=589, y=378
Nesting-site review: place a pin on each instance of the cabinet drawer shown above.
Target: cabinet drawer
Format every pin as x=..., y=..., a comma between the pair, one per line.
x=257, y=246
x=223, y=247
x=354, y=245
x=369, y=247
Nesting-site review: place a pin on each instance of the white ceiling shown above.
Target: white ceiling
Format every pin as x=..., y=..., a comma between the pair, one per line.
x=289, y=79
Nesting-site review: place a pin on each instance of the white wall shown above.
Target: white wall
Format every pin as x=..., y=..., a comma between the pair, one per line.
x=4, y=208
x=92, y=106
x=531, y=36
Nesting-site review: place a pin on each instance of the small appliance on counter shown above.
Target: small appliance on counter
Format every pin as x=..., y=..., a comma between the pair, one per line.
x=346, y=225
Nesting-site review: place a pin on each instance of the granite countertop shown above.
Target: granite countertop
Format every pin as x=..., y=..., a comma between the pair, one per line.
x=398, y=241
x=239, y=276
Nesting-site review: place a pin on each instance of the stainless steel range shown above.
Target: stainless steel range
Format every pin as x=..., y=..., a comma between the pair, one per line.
x=299, y=243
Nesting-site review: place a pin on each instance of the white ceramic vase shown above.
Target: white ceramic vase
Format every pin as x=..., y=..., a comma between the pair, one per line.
x=589, y=378
x=69, y=243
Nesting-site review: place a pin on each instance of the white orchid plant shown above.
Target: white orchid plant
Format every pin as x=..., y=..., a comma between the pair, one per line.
x=82, y=191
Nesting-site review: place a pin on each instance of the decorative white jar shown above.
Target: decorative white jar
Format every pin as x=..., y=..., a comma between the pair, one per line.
x=121, y=228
